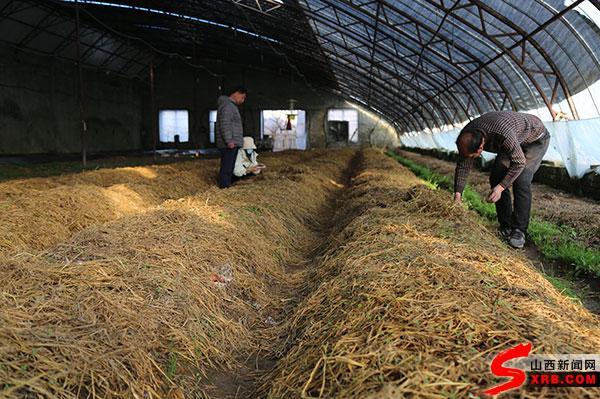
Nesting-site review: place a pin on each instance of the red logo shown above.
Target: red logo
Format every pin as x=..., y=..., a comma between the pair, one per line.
x=517, y=376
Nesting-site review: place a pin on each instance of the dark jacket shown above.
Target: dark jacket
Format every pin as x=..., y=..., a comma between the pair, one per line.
x=229, y=123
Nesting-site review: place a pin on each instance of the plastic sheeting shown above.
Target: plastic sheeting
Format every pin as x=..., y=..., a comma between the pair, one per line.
x=574, y=144
x=467, y=56
x=578, y=144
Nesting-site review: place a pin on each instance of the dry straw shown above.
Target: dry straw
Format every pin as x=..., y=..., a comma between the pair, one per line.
x=413, y=299
x=410, y=296
x=137, y=307
x=37, y=213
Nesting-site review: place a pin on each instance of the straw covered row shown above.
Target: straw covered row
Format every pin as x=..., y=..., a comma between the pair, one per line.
x=37, y=213
x=162, y=303
x=413, y=299
x=402, y=295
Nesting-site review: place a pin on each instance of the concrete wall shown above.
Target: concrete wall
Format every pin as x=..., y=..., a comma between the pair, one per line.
x=180, y=87
x=39, y=111
x=375, y=130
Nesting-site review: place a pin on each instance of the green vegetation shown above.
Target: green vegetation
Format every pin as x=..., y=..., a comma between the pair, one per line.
x=254, y=209
x=564, y=286
x=172, y=366
x=555, y=242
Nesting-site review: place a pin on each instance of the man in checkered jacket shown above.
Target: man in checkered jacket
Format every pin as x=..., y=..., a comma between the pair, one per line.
x=520, y=140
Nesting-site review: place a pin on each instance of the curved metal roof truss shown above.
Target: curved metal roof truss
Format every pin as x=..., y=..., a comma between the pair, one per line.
x=424, y=64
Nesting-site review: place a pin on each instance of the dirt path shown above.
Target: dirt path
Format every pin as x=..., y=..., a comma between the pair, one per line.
x=549, y=204
x=246, y=381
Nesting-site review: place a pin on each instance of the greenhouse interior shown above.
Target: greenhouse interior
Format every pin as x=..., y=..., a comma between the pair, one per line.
x=299, y=199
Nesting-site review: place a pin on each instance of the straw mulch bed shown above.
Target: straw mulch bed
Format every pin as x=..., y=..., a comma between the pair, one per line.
x=37, y=213
x=40, y=212
x=414, y=297
x=162, y=303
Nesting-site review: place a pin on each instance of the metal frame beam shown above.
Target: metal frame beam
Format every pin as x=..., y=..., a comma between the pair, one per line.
x=508, y=51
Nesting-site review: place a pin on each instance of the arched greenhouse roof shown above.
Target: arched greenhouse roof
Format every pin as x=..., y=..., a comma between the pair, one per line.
x=424, y=64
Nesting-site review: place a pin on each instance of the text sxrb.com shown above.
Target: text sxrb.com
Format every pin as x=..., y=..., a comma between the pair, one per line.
x=536, y=370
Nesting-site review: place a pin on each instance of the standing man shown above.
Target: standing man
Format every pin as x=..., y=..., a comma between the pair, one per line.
x=520, y=140
x=229, y=132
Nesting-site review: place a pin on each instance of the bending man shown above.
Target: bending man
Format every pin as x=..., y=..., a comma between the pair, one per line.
x=520, y=140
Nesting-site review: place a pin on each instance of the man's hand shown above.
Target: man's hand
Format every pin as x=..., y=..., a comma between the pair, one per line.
x=457, y=198
x=495, y=194
x=231, y=146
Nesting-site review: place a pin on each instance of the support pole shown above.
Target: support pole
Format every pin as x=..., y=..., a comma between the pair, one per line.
x=154, y=115
x=194, y=114
x=80, y=97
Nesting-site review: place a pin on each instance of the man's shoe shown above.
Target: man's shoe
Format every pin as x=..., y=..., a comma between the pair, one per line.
x=517, y=239
x=505, y=232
